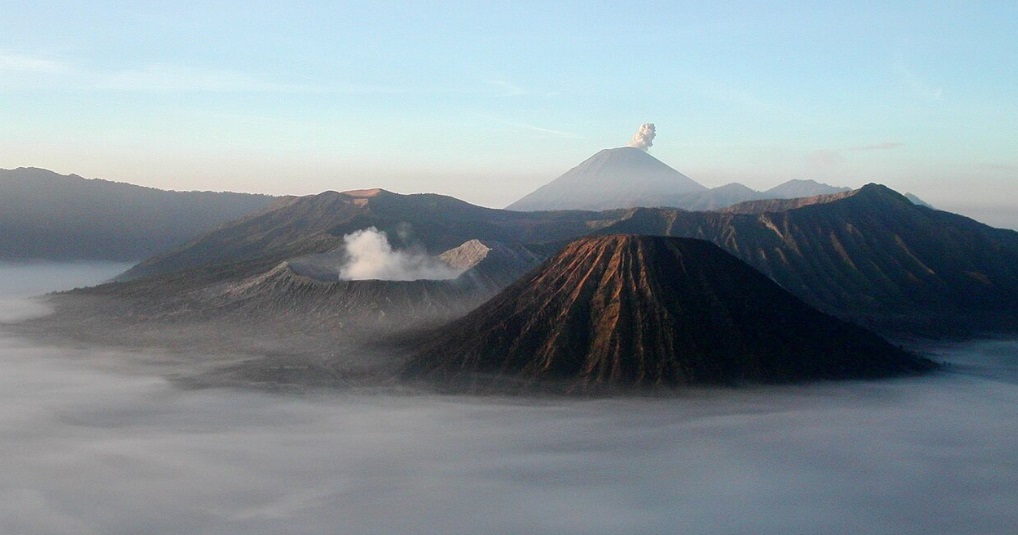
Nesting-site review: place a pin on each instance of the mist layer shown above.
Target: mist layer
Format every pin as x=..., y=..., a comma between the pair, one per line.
x=94, y=443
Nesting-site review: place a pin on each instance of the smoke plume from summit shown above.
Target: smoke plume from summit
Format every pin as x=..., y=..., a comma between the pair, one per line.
x=644, y=137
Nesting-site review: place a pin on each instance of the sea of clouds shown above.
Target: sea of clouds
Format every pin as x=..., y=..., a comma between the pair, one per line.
x=93, y=442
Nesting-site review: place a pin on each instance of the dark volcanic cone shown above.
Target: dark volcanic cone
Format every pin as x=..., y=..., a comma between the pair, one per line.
x=638, y=310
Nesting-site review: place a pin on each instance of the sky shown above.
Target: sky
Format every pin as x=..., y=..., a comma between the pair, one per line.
x=486, y=101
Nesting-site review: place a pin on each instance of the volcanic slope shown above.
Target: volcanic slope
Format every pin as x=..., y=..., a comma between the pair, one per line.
x=319, y=300
x=297, y=322
x=622, y=177
x=317, y=224
x=638, y=310
x=868, y=255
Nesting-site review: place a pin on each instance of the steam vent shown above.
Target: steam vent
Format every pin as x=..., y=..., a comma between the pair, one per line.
x=636, y=310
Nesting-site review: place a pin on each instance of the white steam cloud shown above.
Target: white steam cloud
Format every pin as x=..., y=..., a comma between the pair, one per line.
x=370, y=257
x=644, y=137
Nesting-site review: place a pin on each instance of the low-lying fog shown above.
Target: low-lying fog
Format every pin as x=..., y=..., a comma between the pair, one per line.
x=91, y=444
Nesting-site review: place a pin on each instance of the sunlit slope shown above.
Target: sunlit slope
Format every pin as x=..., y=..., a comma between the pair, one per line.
x=637, y=310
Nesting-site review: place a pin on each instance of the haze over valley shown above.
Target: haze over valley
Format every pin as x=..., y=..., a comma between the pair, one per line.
x=98, y=441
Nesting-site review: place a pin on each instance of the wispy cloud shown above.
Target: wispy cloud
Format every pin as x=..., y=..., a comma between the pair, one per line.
x=11, y=61
x=176, y=78
x=505, y=88
x=559, y=133
x=915, y=84
x=920, y=87
x=887, y=145
x=825, y=158
x=37, y=71
x=528, y=126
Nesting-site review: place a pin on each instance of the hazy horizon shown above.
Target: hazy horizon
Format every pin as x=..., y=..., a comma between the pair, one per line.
x=454, y=97
x=995, y=216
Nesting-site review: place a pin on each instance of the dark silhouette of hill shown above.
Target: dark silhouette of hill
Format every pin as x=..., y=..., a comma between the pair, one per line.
x=639, y=310
x=44, y=215
x=870, y=255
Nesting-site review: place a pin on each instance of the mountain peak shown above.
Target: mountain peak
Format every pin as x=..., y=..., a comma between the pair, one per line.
x=621, y=177
x=642, y=310
x=801, y=188
x=882, y=194
x=363, y=193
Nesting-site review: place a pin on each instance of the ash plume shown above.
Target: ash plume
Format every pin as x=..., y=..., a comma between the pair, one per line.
x=370, y=257
x=644, y=137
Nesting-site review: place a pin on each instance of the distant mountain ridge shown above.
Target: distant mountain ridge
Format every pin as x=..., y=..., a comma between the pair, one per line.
x=317, y=223
x=869, y=255
x=627, y=177
x=44, y=215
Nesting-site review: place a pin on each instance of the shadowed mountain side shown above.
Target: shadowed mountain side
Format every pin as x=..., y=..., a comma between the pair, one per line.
x=916, y=200
x=711, y=199
x=279, y=328
x=629, y=310
x=491, y=265
x=726, y=196
x=870, y=255
x=316, y=224
x=760, y=206
x=299, y=300
x=356, y=308
x=369, y=307
x=44, y=215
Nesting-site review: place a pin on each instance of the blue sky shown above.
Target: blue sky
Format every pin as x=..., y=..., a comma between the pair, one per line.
x=487, y=101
